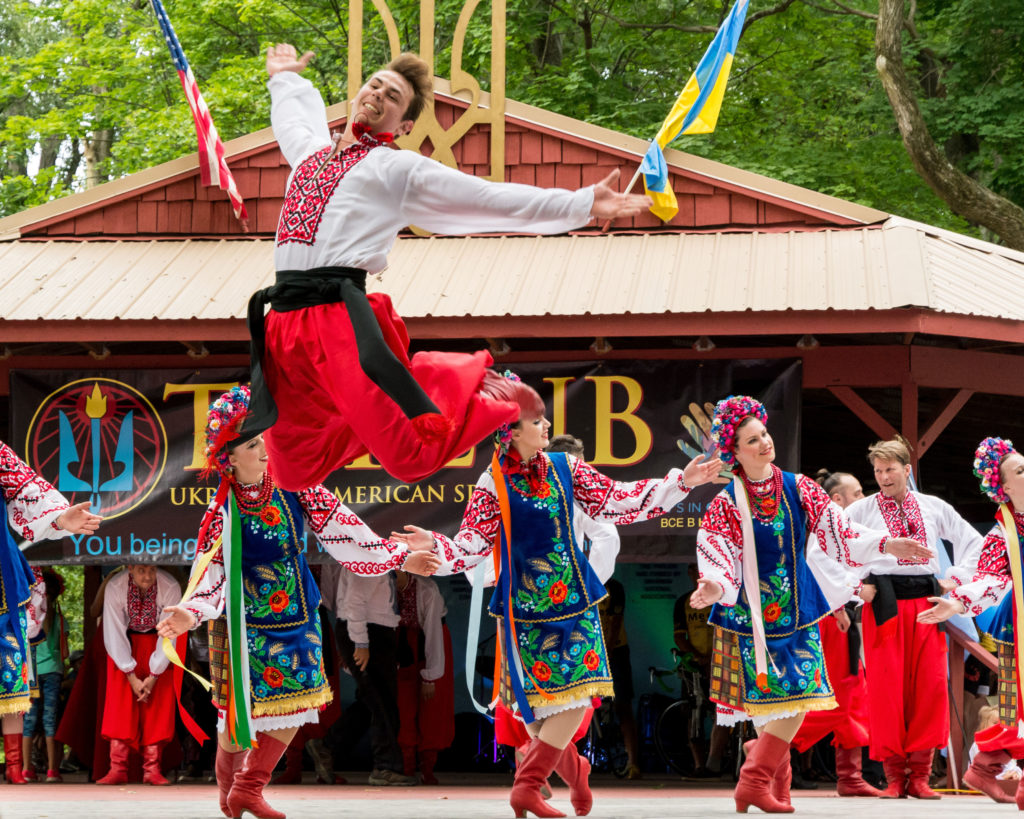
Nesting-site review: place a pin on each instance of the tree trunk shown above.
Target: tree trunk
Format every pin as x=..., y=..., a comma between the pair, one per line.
x=95, y=149
x=964, y=195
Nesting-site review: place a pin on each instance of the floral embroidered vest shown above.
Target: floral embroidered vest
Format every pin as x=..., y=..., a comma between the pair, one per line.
x=551, y=579
x=280, y=591
x=790, y=596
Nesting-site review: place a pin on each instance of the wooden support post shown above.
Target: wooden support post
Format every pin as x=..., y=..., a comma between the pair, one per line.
x=90, y=588
x=956, y=714
x=908, y=412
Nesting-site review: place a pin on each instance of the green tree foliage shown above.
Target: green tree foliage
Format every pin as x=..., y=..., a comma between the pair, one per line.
x=88, y=93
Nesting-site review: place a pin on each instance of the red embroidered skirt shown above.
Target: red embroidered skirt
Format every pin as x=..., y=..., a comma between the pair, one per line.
x=330, y=412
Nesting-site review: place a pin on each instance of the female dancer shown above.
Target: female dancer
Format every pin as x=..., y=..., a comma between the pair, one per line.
x=552, y=650
x=775, y=555
x=36, y=511
x=265, y=655
x=1000, y=468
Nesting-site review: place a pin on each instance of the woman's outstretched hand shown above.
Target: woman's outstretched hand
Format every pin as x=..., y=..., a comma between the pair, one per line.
x=415, y=538
x=177, y=621
x=422, y=563
x=707, y=593
x=78, y=520
x=701, y=470
x=284, y=57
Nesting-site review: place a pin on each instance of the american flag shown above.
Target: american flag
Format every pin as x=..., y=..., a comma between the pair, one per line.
x=213, y=168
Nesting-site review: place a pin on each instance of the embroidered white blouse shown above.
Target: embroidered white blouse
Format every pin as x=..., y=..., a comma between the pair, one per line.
x=388, y=190
x=927, y=519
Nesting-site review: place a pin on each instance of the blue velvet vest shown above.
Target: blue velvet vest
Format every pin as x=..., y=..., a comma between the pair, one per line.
x=790, y=596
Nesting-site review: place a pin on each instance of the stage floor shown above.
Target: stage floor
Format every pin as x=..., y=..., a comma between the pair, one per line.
x=463, y=796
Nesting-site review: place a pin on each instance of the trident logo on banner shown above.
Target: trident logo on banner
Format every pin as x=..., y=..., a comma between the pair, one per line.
x=124, y=454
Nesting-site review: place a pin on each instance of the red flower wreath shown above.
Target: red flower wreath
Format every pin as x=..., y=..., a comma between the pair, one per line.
x=772, y=612
x=558, y=592
x=273, y=677
x=541, y=671
x=591, y=660
x=270, y=515
x=279, y=601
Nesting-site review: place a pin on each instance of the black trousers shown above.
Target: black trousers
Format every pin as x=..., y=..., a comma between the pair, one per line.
x=377, y=691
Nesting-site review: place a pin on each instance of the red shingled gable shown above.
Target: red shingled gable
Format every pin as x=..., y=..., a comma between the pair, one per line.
x=536, y=155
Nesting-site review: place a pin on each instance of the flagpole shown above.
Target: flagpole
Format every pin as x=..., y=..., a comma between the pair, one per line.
x=628, y=188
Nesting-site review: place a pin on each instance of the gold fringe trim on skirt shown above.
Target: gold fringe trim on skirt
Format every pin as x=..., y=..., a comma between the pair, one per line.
x=577, y=692
x=759, y=709
x=15, y=705
x=292, y=705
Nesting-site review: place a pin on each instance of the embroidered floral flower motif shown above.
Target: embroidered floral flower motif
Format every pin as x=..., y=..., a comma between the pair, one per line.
x=591, y=660
x=279, y=601
x=817, y=676
x=558, y=592
x=273, y=677
x=543, y=490
x=270, y=515
x=541, y=671
x=772, y=612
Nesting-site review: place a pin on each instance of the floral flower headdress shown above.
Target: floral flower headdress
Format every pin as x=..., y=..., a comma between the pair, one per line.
x=729, y=414
x=503, y=434
x=223, y=427
x=986, y=466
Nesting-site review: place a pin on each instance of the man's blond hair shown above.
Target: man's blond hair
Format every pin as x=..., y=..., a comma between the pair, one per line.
x=896, y=449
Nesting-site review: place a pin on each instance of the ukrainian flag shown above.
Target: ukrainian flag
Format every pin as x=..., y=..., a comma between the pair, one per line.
x=695, y=110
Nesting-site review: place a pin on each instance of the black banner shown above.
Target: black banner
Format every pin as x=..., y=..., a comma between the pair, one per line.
x=131, y=442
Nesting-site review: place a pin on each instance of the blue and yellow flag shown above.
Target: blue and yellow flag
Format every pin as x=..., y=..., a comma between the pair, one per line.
x=695, y=110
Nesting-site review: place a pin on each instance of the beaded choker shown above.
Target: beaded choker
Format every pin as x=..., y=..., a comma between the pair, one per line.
x=766, y=499
x=249, y=504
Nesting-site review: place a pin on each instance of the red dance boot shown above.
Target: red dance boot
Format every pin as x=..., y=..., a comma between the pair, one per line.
x=521, y=750
x=757, y=776
x=292, y=773
x=1020, y=795
x=920, y=764
x=781, y=779
x=228, y=764
x=118, y=773
x=428, y=759
x=12, y=753
x=151, y=774
x=982, y=775
x=247, y=792
x=574, y=768
x=896, y=778
x=850, y=781
x=532, y=773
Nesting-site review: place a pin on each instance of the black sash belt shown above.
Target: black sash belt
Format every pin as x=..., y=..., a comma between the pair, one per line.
x=853, y=639
x=297, y=289
x=893, y=587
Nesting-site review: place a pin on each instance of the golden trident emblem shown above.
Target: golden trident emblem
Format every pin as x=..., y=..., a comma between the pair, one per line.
x=491, y=112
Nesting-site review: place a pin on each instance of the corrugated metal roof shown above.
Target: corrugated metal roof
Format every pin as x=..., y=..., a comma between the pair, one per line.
x=902, y=264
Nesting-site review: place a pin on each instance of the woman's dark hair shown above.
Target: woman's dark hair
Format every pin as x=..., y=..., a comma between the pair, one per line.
x=531, y=405
x=829, y=481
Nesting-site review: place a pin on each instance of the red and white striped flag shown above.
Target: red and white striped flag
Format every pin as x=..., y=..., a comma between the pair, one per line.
x=213, y=168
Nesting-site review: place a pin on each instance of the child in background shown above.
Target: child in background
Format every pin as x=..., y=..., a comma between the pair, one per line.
x=48, y=658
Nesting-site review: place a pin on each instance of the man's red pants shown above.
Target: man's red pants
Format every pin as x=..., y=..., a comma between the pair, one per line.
x=908, y=707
